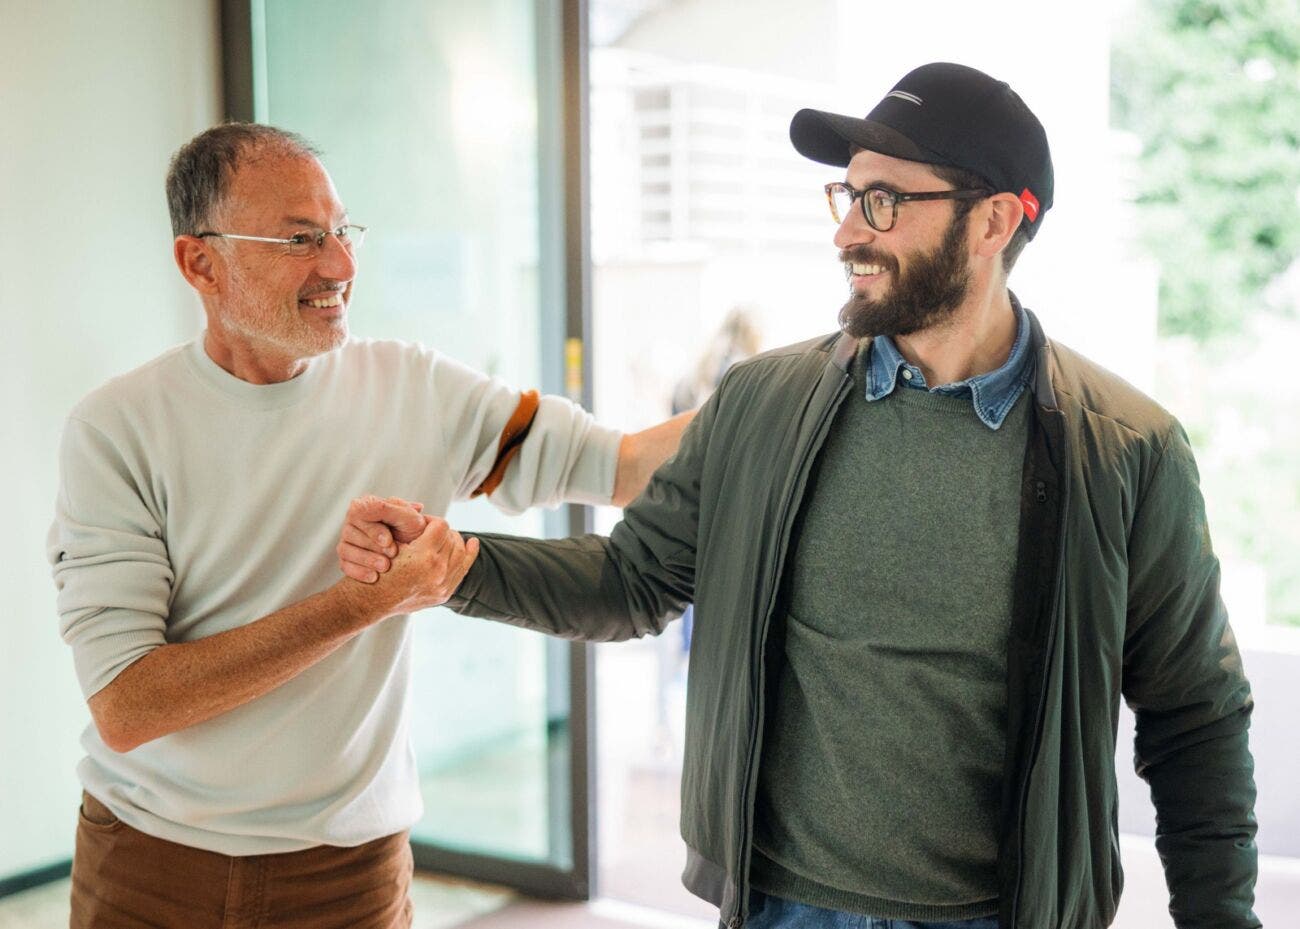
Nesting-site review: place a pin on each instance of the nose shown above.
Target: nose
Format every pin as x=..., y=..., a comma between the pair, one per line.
x=853, y=230
x=336, y=260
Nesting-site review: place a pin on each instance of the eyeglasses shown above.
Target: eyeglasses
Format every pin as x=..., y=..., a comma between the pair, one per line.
x=302, y=244
x=880, y=204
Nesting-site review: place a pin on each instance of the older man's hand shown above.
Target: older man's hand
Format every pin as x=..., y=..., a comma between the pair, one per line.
x=425, y=572
x=372, y=531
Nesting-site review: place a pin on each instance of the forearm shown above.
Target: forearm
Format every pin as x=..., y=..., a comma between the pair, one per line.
x=181, y=684
x=575, y=588
x=1204, y=795
x=641, y=453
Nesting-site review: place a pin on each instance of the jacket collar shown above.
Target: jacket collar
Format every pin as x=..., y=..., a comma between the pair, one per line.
x=845, y=350
x=1041, y=349
x=846, y=347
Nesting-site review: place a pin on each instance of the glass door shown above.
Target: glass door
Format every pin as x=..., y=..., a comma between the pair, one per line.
x=443, y=124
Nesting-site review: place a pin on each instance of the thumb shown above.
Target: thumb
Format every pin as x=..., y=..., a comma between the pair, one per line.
x=433, y=532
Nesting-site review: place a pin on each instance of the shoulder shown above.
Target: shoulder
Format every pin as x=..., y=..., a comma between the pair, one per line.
x=143, y=386
x=1078, y=380
x=768, y=390
x=1100, y=402
x=366, y=354
x=396, y=359
x=810, y=356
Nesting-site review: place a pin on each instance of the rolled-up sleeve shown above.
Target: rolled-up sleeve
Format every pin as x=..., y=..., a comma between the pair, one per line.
x=109, y=559
x=566, y=457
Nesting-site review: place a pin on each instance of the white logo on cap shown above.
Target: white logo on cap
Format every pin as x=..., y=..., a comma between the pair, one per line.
x=904, y=95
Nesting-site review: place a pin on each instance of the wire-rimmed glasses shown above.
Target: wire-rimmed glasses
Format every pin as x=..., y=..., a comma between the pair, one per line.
x=302, y=244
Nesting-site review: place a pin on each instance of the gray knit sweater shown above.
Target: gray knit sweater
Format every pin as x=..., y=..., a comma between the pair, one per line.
x=881, y=770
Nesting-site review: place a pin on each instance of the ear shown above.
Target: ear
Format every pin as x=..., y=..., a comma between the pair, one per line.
x=194, y=258
x=997, y=220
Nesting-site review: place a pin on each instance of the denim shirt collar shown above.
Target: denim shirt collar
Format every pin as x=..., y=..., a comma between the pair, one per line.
x=993, y=393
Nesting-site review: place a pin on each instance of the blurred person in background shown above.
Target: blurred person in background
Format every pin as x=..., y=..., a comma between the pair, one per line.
x=739, y=337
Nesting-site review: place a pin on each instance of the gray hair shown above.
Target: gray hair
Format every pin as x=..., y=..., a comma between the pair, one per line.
x=200, y=172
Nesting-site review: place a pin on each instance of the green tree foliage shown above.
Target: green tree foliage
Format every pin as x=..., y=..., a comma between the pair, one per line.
x=1212, y=90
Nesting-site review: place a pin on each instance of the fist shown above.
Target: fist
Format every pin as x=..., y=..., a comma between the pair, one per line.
x=372, y=530
x=426, y=572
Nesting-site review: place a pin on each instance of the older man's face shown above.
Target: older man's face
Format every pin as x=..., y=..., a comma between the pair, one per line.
x=289, y=305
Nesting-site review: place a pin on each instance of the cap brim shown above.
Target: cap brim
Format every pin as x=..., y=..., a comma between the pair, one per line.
x=827, y=137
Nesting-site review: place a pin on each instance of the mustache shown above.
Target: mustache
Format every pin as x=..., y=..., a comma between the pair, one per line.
x=323, y=291
x=865, y=254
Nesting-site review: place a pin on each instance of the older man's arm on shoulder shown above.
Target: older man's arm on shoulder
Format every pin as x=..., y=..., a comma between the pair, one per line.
x=1184, y=679
x=523, y=450
x=641, y=453
x=593, y=588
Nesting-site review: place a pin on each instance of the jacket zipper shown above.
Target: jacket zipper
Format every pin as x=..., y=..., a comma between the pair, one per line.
x=1040, y=494
x=746, y=807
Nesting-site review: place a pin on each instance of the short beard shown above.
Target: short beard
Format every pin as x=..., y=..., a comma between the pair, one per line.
x=263, y=320
x=929, y=293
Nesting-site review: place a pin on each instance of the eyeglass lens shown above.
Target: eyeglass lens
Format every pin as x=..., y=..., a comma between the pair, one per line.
x=307, y=243
x=878, y=206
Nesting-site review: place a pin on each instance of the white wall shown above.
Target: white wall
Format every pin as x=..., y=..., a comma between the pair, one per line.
x=94, y=98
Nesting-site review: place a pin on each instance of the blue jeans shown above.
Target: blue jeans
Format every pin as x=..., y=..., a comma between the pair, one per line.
x=776, y=913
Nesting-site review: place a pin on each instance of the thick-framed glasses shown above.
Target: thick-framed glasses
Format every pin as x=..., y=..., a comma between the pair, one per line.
x=302, y=244
x=880, y=204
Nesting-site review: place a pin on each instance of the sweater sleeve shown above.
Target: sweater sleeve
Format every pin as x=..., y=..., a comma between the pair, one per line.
x=1183, y=677
x=109, y=558
x=599, y=589
x=566, y=457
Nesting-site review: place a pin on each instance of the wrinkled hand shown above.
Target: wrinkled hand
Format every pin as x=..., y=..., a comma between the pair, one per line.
x=427, y=571
x=371, y=533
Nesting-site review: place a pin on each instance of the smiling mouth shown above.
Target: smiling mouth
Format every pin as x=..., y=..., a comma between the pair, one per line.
x=859, y=269
x=325, y=302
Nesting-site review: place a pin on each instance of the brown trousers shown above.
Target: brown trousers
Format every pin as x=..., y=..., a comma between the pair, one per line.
x=124, y=879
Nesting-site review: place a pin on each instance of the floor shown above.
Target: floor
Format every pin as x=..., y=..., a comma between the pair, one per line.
x=448, y=904
x=641, y=855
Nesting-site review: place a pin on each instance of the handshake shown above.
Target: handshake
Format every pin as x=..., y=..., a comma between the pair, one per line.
x=410, y=560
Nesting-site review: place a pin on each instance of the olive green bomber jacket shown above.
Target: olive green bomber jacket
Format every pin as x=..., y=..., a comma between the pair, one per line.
x=1116, y=593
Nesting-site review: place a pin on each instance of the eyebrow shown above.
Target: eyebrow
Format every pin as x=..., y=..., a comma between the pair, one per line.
x=311, y=223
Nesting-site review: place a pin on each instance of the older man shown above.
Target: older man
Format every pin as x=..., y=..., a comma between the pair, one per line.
x=249, y=755
x=928, y=556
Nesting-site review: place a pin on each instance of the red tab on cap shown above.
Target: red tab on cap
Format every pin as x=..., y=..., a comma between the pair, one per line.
x=1030, y=202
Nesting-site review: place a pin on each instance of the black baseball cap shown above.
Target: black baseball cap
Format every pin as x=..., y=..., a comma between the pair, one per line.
x=945, y=114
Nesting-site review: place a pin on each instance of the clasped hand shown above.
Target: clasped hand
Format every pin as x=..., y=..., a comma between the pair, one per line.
x=414, y=561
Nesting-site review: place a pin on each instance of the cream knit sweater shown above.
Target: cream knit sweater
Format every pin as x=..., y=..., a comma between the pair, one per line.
x=192, y=502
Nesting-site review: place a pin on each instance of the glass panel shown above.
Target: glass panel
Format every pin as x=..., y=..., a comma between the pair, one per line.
x=427, y=114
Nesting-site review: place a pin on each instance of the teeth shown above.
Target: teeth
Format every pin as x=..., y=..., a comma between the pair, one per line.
x=866, y=269
x=323, y=302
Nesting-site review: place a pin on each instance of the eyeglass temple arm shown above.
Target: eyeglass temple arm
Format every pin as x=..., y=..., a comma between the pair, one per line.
x=970, y=193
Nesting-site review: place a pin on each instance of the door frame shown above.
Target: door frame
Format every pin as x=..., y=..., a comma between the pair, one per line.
x=565, y=281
